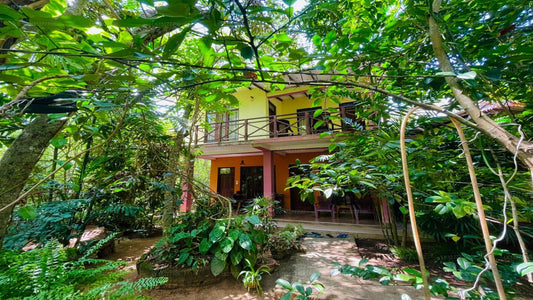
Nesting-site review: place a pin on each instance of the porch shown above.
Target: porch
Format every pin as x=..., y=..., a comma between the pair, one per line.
x=368, y=227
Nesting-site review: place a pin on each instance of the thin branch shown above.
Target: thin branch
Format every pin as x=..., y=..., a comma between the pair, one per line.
x=20, y=96
x=111, y=136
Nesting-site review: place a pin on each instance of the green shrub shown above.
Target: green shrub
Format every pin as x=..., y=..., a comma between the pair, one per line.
x=53, y=220
x=47, y=273
x=199, y=239
x=405, y=254
x=283, y=244
x=297, y=229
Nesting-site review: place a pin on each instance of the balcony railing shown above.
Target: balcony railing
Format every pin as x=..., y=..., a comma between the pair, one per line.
x=278, y=126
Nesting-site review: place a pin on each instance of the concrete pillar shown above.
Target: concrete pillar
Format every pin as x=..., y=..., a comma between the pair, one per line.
x=187, y=188
x=268, y=174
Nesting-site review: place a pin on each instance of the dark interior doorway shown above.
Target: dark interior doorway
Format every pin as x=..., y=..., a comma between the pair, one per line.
x=296, y=200
x=226, y=179
x=252, y=182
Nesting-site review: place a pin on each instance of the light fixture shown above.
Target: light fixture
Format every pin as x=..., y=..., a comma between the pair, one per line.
x=242, y=162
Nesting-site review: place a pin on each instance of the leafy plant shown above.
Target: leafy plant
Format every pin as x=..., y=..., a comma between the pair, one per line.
x=60, y=220
x=251, y=278
x=283, y=244
x=299, y=290
x=405, y=254
x=366, y=271
x=48, y=273
x=199, y=239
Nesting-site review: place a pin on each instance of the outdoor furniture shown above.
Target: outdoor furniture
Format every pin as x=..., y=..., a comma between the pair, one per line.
x=346, y=202
x=322, y=204
x=284, y=127
x=239, y=200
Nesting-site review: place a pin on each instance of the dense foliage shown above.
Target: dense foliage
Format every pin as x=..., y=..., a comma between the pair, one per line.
x=52, y=272
x=114, y=141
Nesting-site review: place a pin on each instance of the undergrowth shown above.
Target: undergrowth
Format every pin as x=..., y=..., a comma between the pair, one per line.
x=48, y=273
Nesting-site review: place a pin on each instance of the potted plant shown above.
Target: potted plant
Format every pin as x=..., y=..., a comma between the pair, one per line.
x=251, y=278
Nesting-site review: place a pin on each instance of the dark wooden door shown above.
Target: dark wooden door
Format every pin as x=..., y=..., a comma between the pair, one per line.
x=296, y=200
x=226, y=179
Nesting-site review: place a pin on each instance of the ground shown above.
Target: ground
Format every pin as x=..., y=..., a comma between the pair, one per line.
x=319, y=256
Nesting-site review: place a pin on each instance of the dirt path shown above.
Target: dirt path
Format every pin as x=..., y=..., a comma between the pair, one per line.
x=319, y=256
x=130, y=250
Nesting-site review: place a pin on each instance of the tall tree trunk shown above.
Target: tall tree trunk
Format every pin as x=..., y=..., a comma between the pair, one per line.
x=173, y=170
x=18, y=161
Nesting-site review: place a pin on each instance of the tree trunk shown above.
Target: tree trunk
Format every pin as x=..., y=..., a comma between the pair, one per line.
x=18, y=161
x=173, y=170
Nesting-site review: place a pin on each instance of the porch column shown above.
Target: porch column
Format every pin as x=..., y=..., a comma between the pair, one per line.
x=268, y=174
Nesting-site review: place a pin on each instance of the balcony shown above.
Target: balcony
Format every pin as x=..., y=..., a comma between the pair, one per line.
x=305, y=122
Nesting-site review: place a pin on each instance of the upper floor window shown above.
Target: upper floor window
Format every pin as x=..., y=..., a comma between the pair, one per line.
x=224, y=126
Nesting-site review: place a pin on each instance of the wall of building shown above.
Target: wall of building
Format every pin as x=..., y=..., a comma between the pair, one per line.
x=281, y=163
x=253, y=104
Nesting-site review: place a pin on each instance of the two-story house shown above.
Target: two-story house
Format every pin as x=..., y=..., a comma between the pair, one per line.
x=254, y=148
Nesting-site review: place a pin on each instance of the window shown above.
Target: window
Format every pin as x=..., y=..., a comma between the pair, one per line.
x=224, y=126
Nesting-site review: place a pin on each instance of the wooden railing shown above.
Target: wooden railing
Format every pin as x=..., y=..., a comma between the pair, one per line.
x=277, y=126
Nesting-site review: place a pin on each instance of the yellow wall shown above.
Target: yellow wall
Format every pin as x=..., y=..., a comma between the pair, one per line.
x=281, y=163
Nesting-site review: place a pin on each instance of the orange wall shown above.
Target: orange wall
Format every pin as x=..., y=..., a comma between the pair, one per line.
x=282, y=164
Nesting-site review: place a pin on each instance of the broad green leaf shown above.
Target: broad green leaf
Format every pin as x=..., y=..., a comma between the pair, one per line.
x=284, y=283
x=463, y=263
x=330, y=36
x=183, y=257
x=27, y=212
x=59, y=142
x=412, y=272
x=317, y=40
x=299, y=287
x=317, y=112
x=247, y=52
x=217, y=266
x=253, y=219
x=282, y=37
x=174, y=42
x=75, y=21
x=245, y=242
x=226, y=245
x=205, y=245
x=217, y=233
x=318, y=124
x=314, y=276
x=467, y=75
x=234, y=234
x=6, y=11
x=524, y=268
x=236, y=256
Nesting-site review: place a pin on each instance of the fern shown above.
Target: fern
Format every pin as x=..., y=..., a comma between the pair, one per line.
x=48, y=274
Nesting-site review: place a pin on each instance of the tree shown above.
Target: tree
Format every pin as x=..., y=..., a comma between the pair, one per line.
x=397, y=47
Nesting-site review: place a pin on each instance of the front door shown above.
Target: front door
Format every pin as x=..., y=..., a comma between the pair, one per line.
x=296, y=200
x=226, y=179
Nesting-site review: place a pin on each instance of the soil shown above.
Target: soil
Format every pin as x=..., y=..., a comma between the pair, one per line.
x=320, y=253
